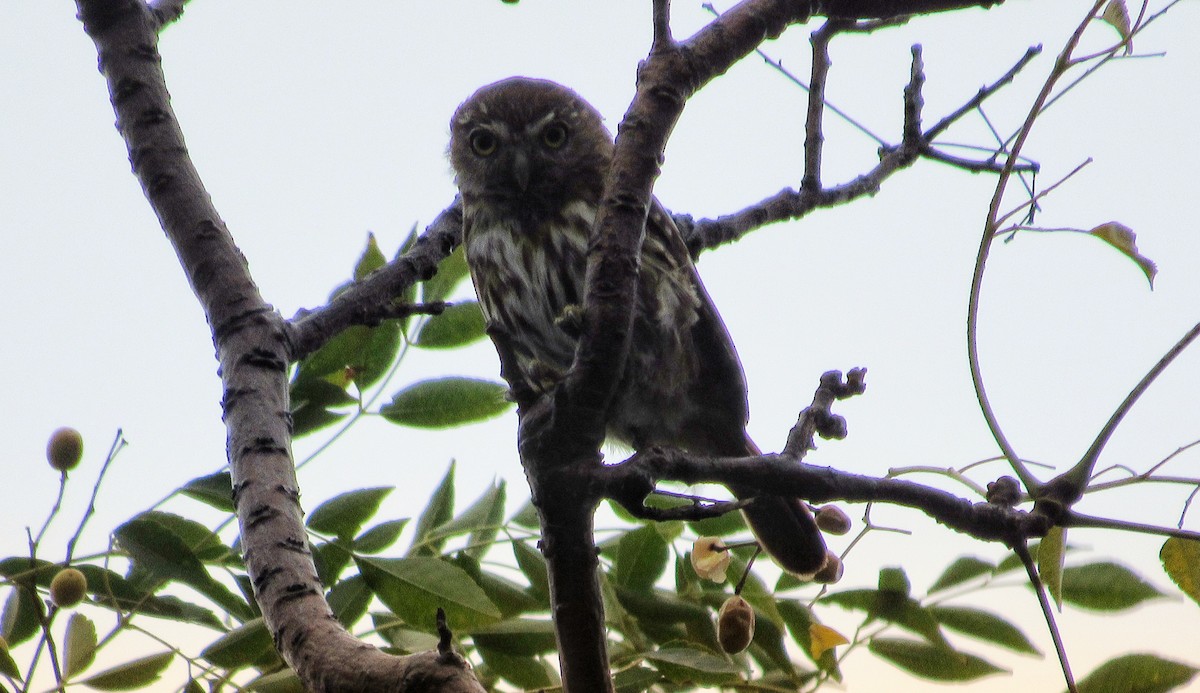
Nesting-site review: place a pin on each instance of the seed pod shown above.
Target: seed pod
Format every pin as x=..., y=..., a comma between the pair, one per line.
x=735, y=625
x=833, y=520
x=831, y=572
x=67, y=588
x=65, y=449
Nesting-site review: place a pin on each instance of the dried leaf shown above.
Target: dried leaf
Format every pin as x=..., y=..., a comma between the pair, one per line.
x=823, y=638
x=1116, y=14
x=1124, y=239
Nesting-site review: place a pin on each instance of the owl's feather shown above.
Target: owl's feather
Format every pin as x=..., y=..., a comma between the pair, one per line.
x=530, y=158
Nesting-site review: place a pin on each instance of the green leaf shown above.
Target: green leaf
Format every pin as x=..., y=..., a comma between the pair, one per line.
x=451, y=271
x=932, y=662
x=1137, y=673
x=481, y=520
x=207, y=546
x=528, y=673
x=894, y=580
x=8, y=667
x=240, y=647
x=370, y=260
x=285, y=681
x=344, y=515
x=983, y=625
x=1124, y=240
x=446, y=402
x=20, y=620
x=961, y=570
x=414, y=588
x=526, y=517
x=1105, y=587
x=1181, y=560
x=892, y=607
x=380, y=537
x=129, y=676
x=349, y=600
x=458, y=325
x=692, y=666
x=721, y=526
x=161, y=553
x=80, y=644
x=520, y=637
x=112, y=591
x=215, y=490
x=1051, y=555
x=642, y=556
x=533, y=567
x=512, y=599
x=437, y=512
x=635, y=680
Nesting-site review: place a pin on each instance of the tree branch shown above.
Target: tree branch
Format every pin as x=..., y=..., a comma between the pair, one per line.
x=251, y=342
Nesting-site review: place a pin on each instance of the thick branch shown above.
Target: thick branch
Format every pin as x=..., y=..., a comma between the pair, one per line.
x=251, y=344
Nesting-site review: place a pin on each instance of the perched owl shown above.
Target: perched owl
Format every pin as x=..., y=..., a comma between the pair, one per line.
x=530, y=157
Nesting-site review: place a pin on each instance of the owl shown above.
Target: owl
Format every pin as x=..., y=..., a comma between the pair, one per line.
x=530, y=157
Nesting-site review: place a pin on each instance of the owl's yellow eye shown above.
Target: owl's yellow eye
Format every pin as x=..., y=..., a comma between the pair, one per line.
x=555, y=135
x=483, y=142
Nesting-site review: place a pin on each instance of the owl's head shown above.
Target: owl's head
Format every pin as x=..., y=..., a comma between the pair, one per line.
x=528, y=145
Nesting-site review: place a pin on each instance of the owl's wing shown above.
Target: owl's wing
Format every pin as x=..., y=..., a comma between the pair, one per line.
x=718, y=384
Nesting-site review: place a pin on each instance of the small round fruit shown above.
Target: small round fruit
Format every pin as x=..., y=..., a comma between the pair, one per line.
x=735, y=625
x=831, y=572
x=833, y=520
x=67, y=588
x=65, y=449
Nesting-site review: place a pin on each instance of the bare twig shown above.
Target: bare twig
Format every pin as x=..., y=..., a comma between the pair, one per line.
x=1039, y=588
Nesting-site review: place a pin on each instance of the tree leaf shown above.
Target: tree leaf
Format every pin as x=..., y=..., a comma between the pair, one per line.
x=446, y=402
x=528, y=673
x=1117, y=15
x=1105, y=586
x=371, y=259
x=458, y=325
x=20, y=619
x=380, y=537
x=163, y=555
x=414, y=588
x=1137, y=673
x=207, y=546
x=240, y=647
x=1181, y=561
x=129, y=676
x=349, y=599
x=215, y=490
x=932, y=662
x=963, y=568
x=8, y=667
x=80, y=644
x=285, y=681
x=481, y=520
x=437, y=512
x=522, y=637
x=1051, y=555
x=344, y=515
x=533, y=567
x=688, y=665
x=450, y=271
x=1124, y=239
x=642, y=556
x=894, y=580
x=822, y=638
x=983, y=625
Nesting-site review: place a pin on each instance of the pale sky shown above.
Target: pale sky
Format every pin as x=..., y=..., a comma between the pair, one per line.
x=312, y=125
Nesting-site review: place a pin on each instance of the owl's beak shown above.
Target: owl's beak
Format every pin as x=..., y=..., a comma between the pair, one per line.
x=520, y=170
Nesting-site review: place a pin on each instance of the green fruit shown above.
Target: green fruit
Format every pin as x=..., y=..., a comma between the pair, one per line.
x=67, y=588
x=65, y=449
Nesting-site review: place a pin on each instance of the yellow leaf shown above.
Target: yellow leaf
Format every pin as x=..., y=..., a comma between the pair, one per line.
x=710, y=558
x=1116, y=14
x=824, y=638
x=1181, y=560
x=1124, y=239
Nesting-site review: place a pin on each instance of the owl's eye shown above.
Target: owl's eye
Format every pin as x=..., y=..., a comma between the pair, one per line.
x=555, y=135
x=483, y=142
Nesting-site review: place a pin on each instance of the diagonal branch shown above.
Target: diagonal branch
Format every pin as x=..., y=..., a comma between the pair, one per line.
x=251, y=343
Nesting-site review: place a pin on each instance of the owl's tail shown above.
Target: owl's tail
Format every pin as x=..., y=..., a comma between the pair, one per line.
x=784, y=527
